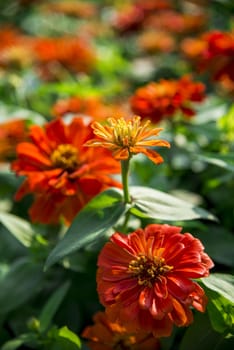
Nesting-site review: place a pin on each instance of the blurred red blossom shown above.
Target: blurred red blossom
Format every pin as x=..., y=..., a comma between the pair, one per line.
x=88, y=106
x=132, y=15
x=74, y=8
x=213, y=52
x=11, y=133
x=74, y=53
x=146, y=279
x=60, y=172
x=159, y=100
x=156, y=41
x=107, y=335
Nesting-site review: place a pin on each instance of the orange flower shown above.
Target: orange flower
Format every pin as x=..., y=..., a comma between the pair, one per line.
x=107, y=335
x=15, y=49
x=74, y=53
x=145, y=278
x=157, y=101
x=131, y=16
x=214, y=52
x=127, y=137
x=89, y=106
x=62, y=174
x=156, y=41
x=176, y=22
x=71, y=8
x=11, y=133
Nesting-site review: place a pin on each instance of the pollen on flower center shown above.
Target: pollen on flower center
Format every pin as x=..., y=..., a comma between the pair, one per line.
x=65, y=156
x=148, y=271
x=125, y=131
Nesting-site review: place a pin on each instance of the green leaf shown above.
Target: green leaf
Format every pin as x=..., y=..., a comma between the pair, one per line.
x=17, y=342
x=222, y=161
x=151, y=203
x=221, y=311
x=200, y=335
x=99, y=215
x=63, y=339
x=19, y=284
x=19, y=228
x=13, y=344
x=66, y=333
x=222, y=284
x=51, y=306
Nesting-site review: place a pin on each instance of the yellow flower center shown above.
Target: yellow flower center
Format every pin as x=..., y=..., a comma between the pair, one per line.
x=123, y=342
x=125, y=132
x=65, y=156
x=148, y=271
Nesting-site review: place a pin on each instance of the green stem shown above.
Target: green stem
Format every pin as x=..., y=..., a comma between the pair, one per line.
x=125, y=173
x=125, y=223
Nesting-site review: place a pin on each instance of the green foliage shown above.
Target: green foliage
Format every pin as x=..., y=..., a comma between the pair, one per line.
x=154, y=204
x=48, y=272
x=200, y=335
x=19, y=285
x=51, y=307
x=19, y=228
x=98, y=216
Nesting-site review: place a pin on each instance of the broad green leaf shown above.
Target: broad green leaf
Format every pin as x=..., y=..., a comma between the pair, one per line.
x=66, y=333
x=100, y=214
x=222, y=161
x=19, y=284
x=17, y=342
x=19, y=228
x=13, y=344
x=200, y=335
x=151, y=203
x=222, y=284
x=51, y=306
x=220, y=310
x=63, y=339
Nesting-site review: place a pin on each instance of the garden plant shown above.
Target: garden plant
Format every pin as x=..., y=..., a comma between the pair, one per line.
x=116, y=174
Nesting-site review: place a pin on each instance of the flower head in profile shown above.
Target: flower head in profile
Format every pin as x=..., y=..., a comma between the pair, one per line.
x=60, y=172
x=146, y=279
x=107, y=335
x=128, y=137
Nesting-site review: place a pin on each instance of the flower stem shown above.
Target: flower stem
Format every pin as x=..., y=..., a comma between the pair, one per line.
x=125, y=173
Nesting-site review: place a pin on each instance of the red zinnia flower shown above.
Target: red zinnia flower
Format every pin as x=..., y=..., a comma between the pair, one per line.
x=74, y=53
x=213, y=53
x=107, y=335
x=88, y=106
x=163, y=99
x=145, y=279
x=62, y=174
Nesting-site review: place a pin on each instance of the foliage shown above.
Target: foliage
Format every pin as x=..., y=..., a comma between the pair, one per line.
x=93, y=60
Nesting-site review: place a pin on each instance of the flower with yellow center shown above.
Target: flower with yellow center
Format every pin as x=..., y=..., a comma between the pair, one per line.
x=128, y=137
x=65, y=156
